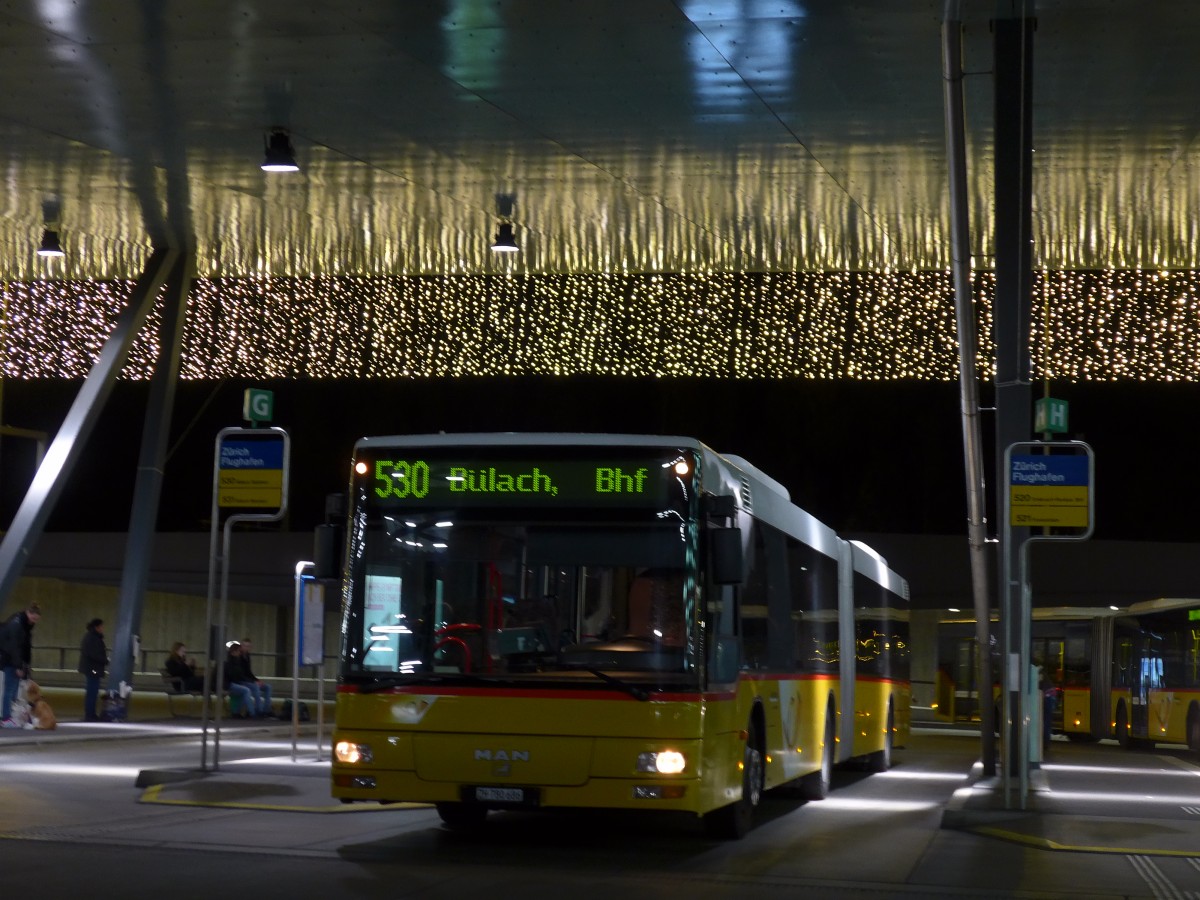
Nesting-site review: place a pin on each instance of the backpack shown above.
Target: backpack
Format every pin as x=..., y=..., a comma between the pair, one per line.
x=285, y=711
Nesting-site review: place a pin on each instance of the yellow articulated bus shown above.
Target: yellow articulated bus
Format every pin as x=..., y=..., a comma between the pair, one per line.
x=1156, y=674
x=1071, y=646
x=1127, y=673
x=603, y=621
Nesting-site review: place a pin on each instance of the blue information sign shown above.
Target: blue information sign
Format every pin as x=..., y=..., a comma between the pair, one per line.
x=1049, y=490
x=250, y=471
x=260, y=454
x=1048, y=471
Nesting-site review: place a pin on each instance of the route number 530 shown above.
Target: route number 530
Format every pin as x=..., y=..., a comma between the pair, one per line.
x=401, y=478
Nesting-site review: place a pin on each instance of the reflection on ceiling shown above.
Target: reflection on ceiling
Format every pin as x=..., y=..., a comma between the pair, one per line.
x=634, y=136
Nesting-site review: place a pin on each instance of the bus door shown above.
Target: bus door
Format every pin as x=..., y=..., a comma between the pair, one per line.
x=966, y=691
x=1049, y=654
x=1148, y=677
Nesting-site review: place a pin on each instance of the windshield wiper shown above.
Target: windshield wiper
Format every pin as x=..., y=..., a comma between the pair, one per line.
x=416, y=679
x=632, y=690
x=385, y=683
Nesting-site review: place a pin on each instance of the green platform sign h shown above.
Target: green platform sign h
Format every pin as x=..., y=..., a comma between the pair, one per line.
x=1050, y=416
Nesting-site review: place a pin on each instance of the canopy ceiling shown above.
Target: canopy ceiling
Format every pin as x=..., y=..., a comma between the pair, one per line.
x=630, y=135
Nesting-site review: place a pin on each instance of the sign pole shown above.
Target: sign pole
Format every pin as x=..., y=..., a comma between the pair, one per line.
x=1009, y=719
x=309, y=649
x=210, y=673
x=250, y=473
x=297, y=638
x=1051, y=490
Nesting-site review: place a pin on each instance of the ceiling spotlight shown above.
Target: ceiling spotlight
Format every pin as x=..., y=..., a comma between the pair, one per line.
x=50, y=245
x=505, y=242
x=280, y=156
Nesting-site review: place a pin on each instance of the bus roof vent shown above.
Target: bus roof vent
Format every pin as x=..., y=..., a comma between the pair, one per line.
x=765, y=481
x=747, y=496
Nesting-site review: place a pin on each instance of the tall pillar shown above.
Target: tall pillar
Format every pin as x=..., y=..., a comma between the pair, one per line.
x=148, y=484
x=1013, y=65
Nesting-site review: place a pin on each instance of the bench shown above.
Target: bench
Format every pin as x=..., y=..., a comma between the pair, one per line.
x=174, y=688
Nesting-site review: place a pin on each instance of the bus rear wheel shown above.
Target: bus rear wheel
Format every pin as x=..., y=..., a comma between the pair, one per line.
x=734, y=821
x=881, y=760
x=1122, y=727
x=816, y=786
x=1193, y=729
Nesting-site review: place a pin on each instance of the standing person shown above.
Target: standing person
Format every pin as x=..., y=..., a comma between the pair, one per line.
x=259, y=688
x=16, y=649
x=93, y=658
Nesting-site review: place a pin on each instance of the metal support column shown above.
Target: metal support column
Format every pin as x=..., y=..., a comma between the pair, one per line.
x=968, y=373
x=1013, y=46
x=72, y=436
x=148, y=485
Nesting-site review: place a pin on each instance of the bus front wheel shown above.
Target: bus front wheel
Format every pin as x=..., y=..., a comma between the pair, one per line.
x=734, y=821
x=462, y=816
x=1193, y=729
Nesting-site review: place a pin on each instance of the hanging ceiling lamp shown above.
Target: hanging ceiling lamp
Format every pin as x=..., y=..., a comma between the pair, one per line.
x=280, y=155
x=50, y=245
x=505, y=241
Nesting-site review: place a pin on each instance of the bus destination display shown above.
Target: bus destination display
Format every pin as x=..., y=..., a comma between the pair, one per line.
x=526, y=482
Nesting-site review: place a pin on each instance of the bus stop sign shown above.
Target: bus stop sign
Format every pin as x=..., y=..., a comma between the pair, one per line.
x=1050, y=490
x=252, y=469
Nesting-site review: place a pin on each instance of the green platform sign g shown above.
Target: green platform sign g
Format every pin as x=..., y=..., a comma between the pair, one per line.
x=258, y=405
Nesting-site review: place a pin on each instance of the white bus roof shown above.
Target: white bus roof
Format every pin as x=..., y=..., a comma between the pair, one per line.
x=1164, y=603
x=520, y=439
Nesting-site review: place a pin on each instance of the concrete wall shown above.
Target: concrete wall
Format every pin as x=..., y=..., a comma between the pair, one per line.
x=75, y=576
x=166, y=617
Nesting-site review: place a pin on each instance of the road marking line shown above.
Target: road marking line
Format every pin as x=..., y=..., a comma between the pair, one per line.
x=153, y=794
x=1047, y=844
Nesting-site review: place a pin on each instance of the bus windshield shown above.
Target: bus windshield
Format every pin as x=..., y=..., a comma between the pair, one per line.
x=492, y=588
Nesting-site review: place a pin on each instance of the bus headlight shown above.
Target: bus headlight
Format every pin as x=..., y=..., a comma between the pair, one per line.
x=665, y=762
x=350, y=752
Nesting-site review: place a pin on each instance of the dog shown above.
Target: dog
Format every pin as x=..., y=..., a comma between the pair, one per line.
x=41, y=714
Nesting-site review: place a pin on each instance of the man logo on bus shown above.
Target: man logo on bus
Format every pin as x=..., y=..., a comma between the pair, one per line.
x=503, y=755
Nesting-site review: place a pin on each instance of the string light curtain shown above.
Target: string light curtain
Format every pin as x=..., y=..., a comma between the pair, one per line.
x=1104, y=326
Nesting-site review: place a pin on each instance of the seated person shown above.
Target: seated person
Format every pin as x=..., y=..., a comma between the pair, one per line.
x=259, y=689
x=183, y=669
x=241, y=701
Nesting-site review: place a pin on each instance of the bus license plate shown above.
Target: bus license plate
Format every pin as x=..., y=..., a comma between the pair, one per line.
x=500, y=794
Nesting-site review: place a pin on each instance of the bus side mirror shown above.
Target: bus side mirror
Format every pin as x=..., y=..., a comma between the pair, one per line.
x=719, y=506
x=327, y=552
x=725, y=550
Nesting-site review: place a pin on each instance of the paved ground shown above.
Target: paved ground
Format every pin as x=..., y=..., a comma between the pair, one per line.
x=1101, y=823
